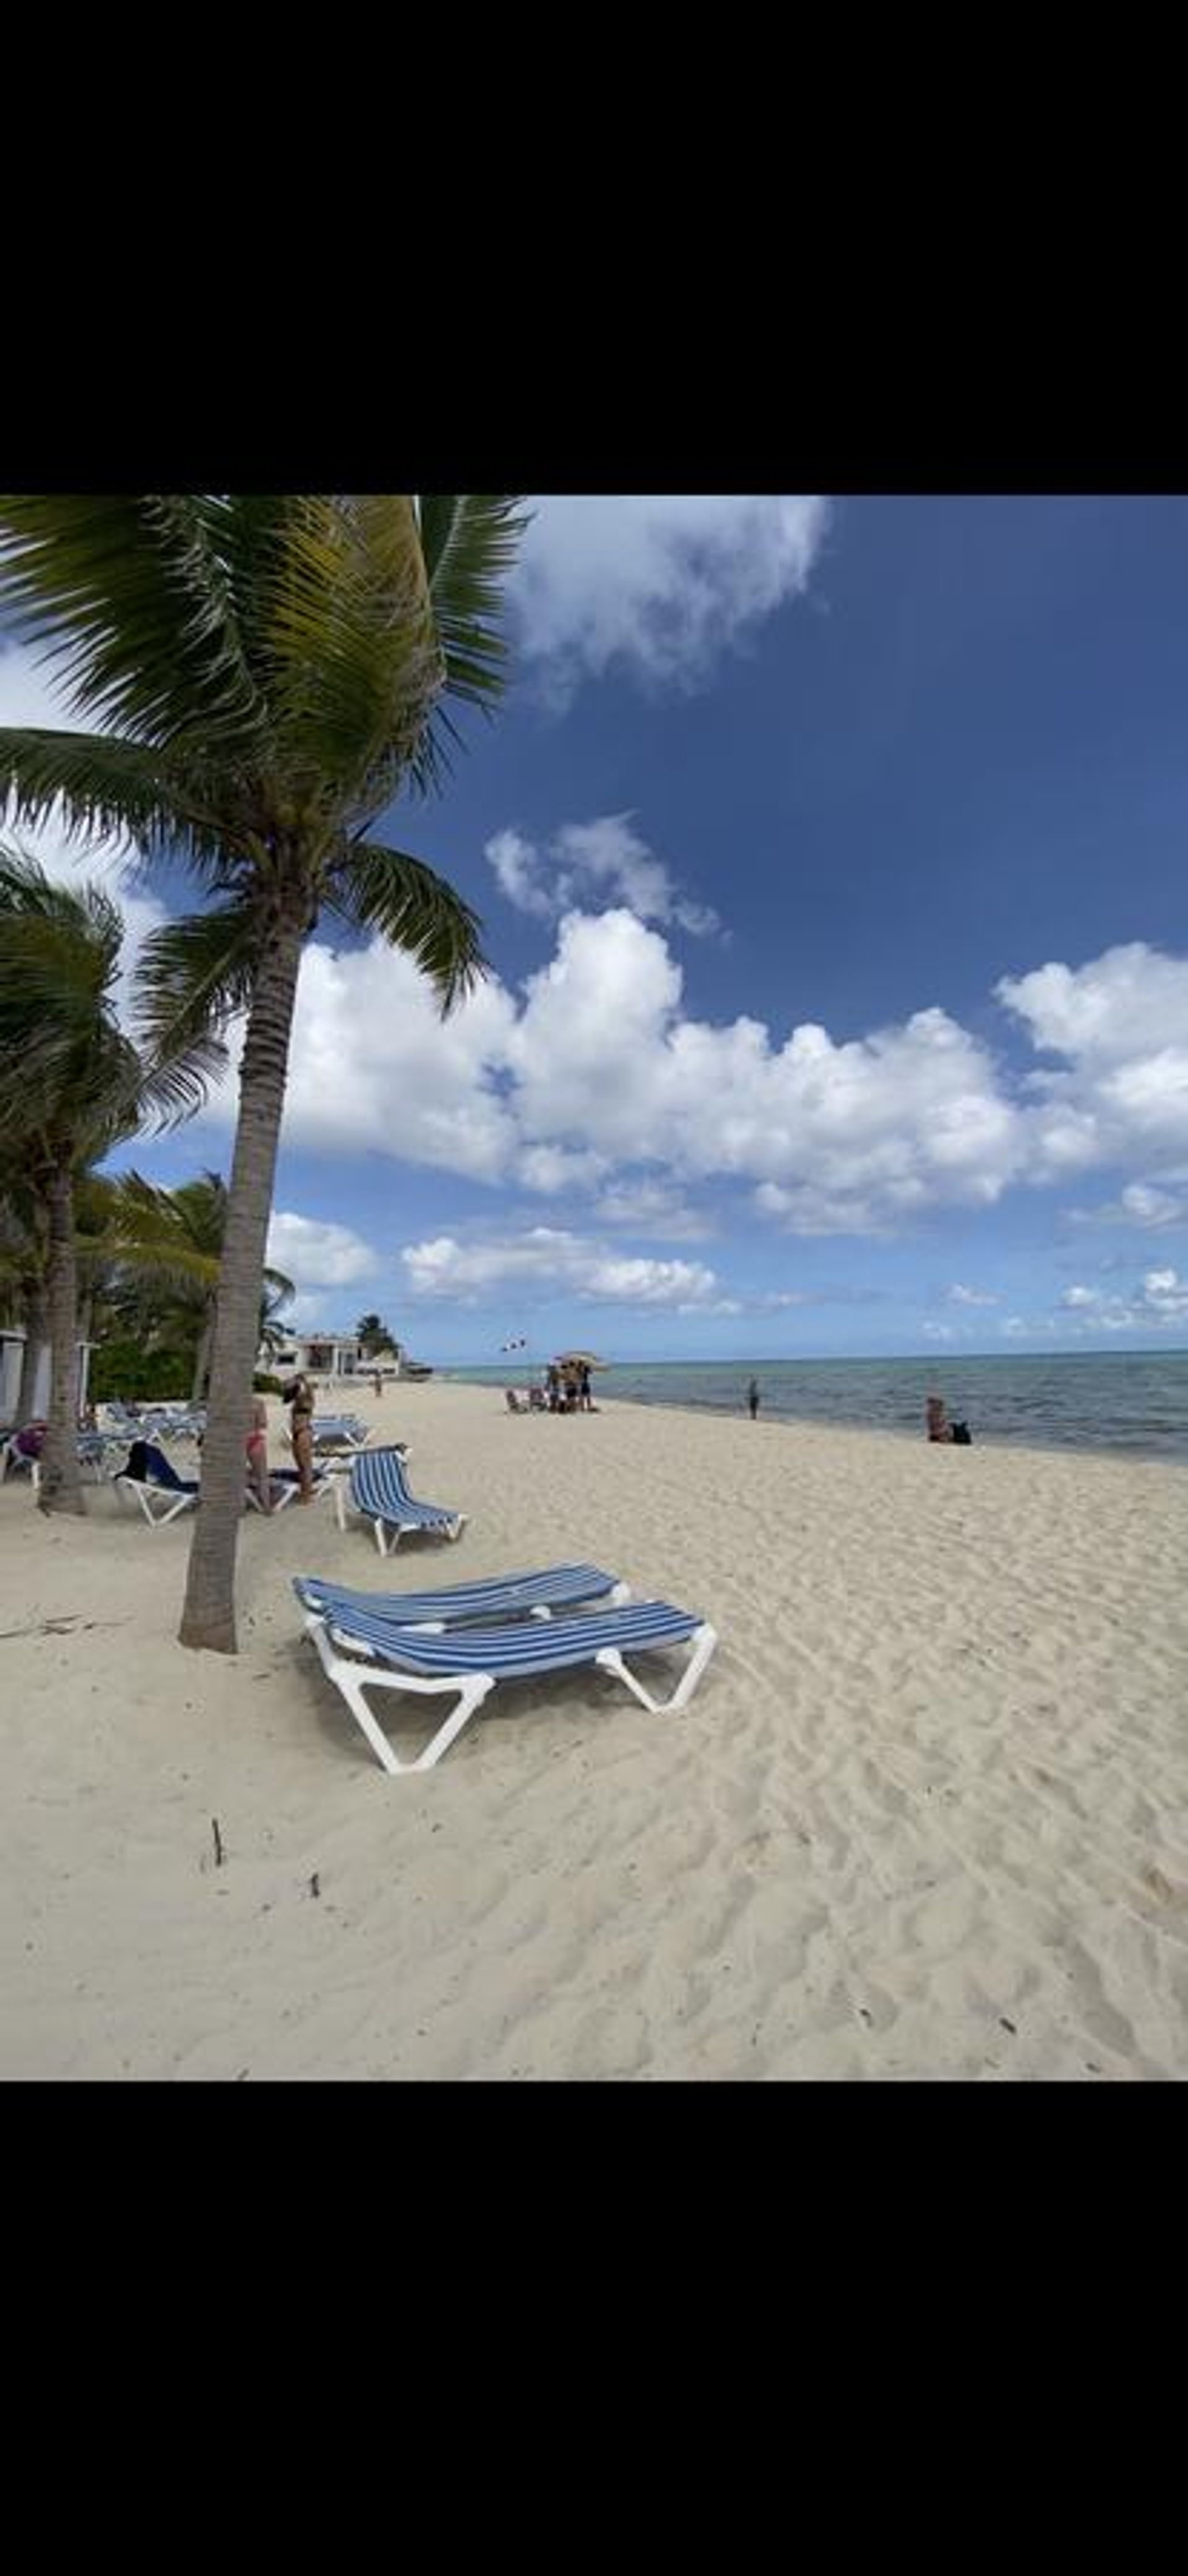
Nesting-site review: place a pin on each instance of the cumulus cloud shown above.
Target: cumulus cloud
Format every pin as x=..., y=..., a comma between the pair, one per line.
x=314, y=1253
x=1141, y=1205
x=655, y=586
x=653, y=1208
x=593, y=1080
x=1160, y=1300
x=961, y=1296
x=1120, y=1022
x=587, y=863
x=550, y=1261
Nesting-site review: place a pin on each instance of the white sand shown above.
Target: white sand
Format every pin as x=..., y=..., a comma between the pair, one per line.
x=935, y=1782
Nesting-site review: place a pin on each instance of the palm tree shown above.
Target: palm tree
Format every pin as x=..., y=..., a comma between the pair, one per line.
x=71, y=1084
x=273, y=670
x=169, y=1246
x=23, y=1263
x=373, y=1336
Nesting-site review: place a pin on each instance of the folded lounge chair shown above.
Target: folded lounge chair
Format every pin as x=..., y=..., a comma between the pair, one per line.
x=502, y=1596
x=379, y=1492
x=360, y=1654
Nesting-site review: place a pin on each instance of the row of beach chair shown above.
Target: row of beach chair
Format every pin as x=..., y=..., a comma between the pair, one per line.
x=461, y=1641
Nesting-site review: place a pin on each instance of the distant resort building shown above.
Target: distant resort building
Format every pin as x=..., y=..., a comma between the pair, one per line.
x=337, y=1356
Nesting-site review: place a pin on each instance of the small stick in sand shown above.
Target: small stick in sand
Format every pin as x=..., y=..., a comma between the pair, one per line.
x=218, y=1842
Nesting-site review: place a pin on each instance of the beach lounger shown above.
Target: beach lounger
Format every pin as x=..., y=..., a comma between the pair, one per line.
x=162, y=1487
x=339, y=1430
x=501, y=1596
x=360, y=1654
x=378, y=1490
x=285, y=1484
x=160, y=1484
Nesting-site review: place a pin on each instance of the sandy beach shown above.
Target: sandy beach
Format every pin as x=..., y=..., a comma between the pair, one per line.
x=926, y=1818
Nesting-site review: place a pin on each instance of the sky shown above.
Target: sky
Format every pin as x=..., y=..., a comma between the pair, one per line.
x=829, y=853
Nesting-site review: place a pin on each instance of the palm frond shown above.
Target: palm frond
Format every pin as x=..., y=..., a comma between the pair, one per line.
x=375, y=888
x=194, y=975
x=469, y=541
x=127, y=791
x=356, y=664
x=130, y=595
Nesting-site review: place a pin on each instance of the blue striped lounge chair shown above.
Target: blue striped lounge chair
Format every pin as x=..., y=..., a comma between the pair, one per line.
x=500, y=1596
x=359, y=1653
x=378, y=1490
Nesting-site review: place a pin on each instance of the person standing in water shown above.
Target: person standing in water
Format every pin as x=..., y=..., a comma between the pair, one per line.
x=753, y=1399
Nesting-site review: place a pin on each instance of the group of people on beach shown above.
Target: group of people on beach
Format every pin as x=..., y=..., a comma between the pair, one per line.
x=567, y=1387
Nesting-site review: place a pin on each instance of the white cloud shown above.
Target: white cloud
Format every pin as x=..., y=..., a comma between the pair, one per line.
x=959, y=1296
x=651, y=1207
x=1159, y=1300
x=586, y=863
x=314, y=1253
x=593, y=1080
x=1141, y=1205
x=1120, y=1022
x=656, y=586
x=548, y=1261
x=937, y=1332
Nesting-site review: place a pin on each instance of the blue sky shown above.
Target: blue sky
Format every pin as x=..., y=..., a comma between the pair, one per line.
x=830, y=858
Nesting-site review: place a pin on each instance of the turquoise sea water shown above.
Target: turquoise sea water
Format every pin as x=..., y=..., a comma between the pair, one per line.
x=1135, y=1403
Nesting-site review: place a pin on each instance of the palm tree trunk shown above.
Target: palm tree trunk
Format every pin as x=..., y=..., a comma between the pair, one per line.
x=208, y=1616
x=61, y=1482
x=34, y=1311
x=202, y=1356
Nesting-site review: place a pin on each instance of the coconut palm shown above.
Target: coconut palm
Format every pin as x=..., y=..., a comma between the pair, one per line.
x=168, y=1246
x=71, y=1084
x=23, y=1263
x=374, y=1336
x=271, y=670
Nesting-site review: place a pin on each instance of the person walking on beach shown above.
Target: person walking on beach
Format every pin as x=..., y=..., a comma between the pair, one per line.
x=298, y=1395
x=753, y=1399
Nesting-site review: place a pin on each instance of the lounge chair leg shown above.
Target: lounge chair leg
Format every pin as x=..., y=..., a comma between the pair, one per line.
x=702, y=1644
x=353, y=1680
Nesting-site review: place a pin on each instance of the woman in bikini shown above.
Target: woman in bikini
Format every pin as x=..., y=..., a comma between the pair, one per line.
x=298, y=1395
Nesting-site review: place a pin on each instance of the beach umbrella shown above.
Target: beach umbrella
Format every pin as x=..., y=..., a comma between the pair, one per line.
x=579, y=1359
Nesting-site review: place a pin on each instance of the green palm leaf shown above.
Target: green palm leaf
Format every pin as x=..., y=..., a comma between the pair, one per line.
x=375, y=888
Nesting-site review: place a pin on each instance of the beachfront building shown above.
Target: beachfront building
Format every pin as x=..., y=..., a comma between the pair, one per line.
x=12, y=1358
x=329, y=1355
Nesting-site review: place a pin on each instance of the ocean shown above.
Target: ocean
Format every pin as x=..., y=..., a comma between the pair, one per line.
x=1132, y=1402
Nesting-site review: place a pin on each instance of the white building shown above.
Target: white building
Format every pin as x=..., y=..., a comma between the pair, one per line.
x=12, y=1357
x=329, y=1355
